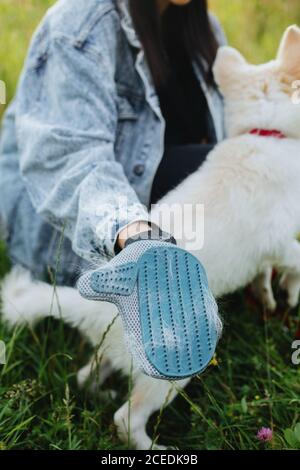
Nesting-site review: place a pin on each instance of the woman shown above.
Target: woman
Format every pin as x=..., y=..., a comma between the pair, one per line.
x=115, y=106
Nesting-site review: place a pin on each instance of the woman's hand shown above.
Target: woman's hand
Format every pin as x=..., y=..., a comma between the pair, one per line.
x=170, y=318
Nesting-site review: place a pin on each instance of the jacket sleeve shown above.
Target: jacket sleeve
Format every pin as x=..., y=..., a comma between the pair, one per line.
x=66, y=125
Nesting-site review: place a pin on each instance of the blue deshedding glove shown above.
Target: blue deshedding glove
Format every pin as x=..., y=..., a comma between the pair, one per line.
x=169, y=314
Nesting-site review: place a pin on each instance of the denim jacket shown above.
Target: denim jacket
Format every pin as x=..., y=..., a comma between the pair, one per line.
x=82, y=140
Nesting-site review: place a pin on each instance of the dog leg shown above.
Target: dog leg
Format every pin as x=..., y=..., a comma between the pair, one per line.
x=290, y=280
x=148, y=395
x=95, y=373
x=26, y=301
x=262, y=289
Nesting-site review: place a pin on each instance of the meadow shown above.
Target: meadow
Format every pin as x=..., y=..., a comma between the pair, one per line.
x=252, y=382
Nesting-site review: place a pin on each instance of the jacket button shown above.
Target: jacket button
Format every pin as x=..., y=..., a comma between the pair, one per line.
x=139, y=169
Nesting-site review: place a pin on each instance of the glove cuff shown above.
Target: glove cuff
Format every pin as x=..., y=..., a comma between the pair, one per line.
x=155, y=234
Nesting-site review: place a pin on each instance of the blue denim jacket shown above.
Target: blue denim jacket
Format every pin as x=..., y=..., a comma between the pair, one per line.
x=83, y=137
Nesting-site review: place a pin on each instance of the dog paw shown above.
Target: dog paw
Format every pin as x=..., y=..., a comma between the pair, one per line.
x=263, y=292
x=83, y=376
x=290, y=283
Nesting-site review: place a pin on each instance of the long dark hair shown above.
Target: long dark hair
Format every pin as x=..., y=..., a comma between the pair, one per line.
x=199, y=39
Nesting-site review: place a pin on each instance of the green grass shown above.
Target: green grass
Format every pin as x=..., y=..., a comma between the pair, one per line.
x=254, y=383
x=255, y=27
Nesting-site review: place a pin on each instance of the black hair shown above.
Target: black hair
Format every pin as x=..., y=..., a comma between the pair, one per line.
x=195, y=30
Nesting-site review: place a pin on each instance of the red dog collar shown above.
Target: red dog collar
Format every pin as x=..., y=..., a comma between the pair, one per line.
x=268, y=133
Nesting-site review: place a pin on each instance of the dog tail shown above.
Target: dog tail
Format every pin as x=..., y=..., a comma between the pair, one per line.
x=26, y=301
x=23, y=300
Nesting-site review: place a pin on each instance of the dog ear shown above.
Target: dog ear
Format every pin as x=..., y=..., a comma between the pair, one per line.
x=289, y=51
x=228, y=63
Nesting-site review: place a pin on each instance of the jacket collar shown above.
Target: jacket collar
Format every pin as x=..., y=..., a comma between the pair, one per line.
x=127, y=23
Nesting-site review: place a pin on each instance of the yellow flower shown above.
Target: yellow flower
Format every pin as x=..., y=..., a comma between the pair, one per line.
x=214, y=362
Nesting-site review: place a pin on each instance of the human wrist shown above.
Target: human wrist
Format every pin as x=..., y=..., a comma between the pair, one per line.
x=131, y=230
x=154, y=234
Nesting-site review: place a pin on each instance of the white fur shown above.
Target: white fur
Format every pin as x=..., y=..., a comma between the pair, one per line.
x=250, y=187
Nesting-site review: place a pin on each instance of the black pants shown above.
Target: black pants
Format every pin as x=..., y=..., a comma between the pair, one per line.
x=177, y=163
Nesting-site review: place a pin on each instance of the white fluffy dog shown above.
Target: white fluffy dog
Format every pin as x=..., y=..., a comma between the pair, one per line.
x=250, y=187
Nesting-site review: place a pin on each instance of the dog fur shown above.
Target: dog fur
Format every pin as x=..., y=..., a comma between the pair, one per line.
x=250, y=189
